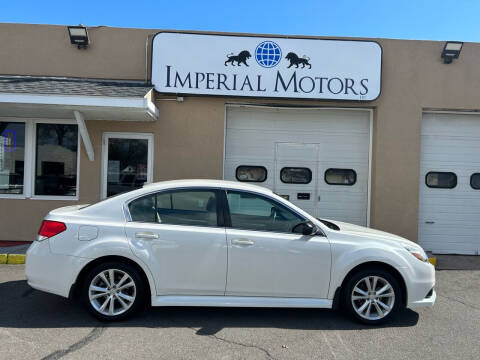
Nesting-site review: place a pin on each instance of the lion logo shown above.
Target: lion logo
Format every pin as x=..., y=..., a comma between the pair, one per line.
x=296, y=60
x=240, y=58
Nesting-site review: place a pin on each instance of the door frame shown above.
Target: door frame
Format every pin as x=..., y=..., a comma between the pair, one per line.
x=123, y=135
x=300, y=108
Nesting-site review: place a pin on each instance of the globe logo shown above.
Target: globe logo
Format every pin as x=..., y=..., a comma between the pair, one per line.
x=268, y=54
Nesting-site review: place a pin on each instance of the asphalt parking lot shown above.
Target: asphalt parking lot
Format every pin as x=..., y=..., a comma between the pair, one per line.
x=36, y=325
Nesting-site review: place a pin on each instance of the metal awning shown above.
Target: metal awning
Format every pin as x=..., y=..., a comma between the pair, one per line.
x=96, y=99
x=79, y=99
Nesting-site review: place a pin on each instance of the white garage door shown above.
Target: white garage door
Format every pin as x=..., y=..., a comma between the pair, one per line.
x=317, y=158
x=449, y=214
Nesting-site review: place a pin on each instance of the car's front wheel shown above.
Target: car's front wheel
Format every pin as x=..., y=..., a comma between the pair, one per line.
x=372, y=296
x=113, y=291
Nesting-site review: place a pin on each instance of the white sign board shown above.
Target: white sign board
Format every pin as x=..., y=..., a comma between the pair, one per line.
x=266, y=67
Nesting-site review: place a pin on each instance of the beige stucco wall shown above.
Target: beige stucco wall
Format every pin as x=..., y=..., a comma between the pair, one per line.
x=189, y=135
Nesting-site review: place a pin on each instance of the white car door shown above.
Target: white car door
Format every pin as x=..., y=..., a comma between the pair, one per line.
x=180, y=235
x=265, y=258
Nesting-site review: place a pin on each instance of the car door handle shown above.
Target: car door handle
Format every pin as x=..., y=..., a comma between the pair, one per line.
x=429, y=222
x=243, y=241
x=146, y=235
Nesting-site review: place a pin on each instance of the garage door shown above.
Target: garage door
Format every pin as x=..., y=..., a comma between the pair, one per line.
x=449, y=214
x=317, y=158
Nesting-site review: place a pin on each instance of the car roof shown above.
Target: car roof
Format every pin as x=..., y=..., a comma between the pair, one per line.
x=161, y=185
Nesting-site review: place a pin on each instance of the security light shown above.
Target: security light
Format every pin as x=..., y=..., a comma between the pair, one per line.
x=78, y=36
x=451, y=51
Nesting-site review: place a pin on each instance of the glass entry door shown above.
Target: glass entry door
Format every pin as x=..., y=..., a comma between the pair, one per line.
x=127, y=162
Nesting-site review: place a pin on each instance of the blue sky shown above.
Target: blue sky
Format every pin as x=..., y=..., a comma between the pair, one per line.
x=406, y=19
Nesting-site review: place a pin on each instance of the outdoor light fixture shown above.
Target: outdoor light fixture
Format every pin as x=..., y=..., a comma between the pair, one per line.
x=78, y=36
x=451, y=51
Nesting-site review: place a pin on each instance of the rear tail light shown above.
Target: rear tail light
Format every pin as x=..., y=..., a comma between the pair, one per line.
x=50, y=228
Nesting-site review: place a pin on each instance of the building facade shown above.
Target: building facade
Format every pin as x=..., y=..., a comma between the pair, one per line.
x=377, y=132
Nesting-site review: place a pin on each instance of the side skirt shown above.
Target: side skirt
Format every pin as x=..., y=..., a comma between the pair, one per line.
x=240, y=301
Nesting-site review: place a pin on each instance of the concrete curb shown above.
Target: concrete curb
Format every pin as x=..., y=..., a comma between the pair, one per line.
x=12, y=258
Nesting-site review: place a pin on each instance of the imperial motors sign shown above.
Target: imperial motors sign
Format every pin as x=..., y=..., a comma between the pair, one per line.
x=266, y=67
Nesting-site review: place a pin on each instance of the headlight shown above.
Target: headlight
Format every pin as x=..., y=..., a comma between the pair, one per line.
x=417, y=252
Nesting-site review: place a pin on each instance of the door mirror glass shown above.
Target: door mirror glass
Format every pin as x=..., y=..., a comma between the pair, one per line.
x=305, y=228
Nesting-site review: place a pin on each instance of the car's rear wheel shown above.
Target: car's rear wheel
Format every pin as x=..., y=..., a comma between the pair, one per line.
x=372, y=296
x=113, y=291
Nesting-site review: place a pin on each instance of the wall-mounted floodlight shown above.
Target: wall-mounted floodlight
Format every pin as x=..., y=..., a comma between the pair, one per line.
x=451, y=51
x=78, y=36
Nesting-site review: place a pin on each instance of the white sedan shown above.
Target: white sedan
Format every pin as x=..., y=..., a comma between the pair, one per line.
x=219, y=243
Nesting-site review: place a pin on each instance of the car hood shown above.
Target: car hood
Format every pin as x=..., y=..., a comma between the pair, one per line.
x=372, y=234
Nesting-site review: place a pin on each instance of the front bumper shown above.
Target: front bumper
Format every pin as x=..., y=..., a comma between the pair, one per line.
x=420, y=285
x=53, y=273
x=426, y=302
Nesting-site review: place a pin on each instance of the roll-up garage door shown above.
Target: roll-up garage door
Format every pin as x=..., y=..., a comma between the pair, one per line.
x=449, y=213
x=317, y=158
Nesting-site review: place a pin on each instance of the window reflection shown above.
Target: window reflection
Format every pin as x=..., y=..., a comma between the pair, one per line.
x=127, y=164
x=12, y=157
x=56, y=160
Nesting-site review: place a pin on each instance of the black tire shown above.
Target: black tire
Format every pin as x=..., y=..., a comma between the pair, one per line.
x=137, y=292
x=348, y=303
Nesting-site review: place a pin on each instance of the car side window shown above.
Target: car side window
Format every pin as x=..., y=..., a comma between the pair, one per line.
x=179, y=207
x=255, y=212
x=143, y=209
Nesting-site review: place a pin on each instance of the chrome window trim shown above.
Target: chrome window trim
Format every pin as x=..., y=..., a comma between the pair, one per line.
x=129, y=218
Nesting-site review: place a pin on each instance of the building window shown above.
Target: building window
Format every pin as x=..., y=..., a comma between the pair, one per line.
x=12, y=157
x=296, y=175
x=127, y=162
x=340, y=177
x=56, y=160
x=475, y=181
x=441, y=180
x=247, y=173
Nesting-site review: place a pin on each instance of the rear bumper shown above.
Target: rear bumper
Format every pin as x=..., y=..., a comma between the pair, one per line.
x=53, y=273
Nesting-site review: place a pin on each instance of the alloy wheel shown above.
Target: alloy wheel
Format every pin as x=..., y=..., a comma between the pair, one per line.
x=373, y=297
x=112, y=292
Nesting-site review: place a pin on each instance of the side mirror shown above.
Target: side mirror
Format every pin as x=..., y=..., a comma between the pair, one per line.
x=305, y=228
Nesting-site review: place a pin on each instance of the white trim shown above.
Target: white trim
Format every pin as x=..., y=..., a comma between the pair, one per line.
x=301, y=108
x=454, y=112
x=82, y=129
x=224, y=140
x=370, y=154
x=132, y=103
x=123, y=135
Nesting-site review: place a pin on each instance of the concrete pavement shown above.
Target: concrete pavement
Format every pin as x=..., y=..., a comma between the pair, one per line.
x=37, y=325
